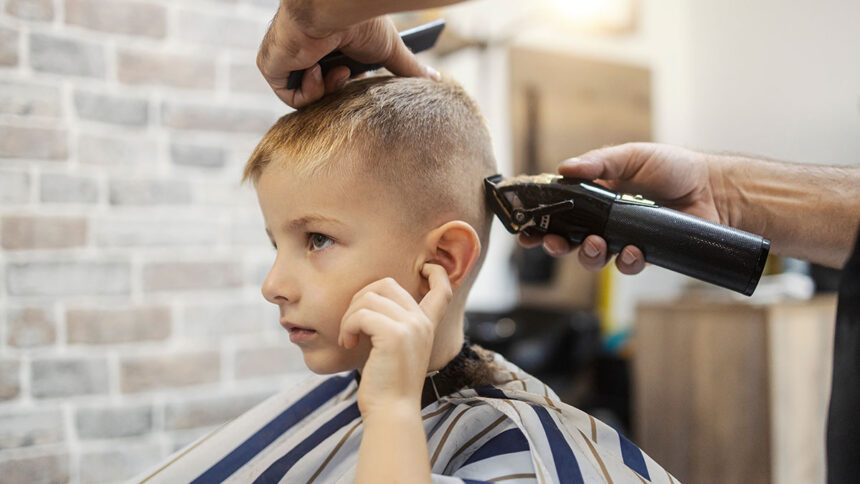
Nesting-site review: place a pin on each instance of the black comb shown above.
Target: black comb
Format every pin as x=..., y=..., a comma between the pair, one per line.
x=416, y=39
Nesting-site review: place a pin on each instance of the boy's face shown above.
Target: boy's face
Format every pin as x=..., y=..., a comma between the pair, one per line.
x=333, y=237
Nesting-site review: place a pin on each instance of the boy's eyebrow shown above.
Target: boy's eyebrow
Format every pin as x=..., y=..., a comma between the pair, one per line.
x=301, y=222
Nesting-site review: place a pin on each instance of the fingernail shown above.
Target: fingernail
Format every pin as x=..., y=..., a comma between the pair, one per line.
x=628, y=258
x=590, y=249
x=316, y=73
x=342, y=82
x=549, y=249
x=570, y=161
x=433, y=73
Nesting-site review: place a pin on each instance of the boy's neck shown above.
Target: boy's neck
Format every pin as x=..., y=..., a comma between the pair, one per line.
x=449, y=338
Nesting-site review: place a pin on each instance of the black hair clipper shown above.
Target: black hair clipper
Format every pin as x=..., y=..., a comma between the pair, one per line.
x=574, y=209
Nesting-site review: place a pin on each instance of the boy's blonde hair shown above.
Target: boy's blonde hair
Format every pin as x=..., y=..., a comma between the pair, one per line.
x=424, y=142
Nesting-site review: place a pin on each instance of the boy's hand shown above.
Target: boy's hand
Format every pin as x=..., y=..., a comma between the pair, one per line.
x=401, y=333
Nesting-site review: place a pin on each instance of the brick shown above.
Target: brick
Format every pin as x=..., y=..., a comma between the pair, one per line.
x=23, y=232
x=256, y=271
x=107, y=278
x=197, y=155
x=66, y=56
x=125, y=17
x=31, y=9
x=156, y=68
x=230, y=194
x=177, y=276
x=10, y=380
x=9, y=40
x=112, y=422
x=26, y=99
x=164, y=371
x=31, y=427
x=117, y=325
x=268, y=361
x=66, y=377
x=124, y=110
x=246, y=77
x=14, y=186
x=149, y=192
x=220, y=30
x=37, y=143
x=62, y=188
x=166, y=231
x=209, y=411
x=217, y=118
x=249, y=230
x=29, y=327
x=117, y=151
x=122, y=462
x=212, y=321
x=51, y=468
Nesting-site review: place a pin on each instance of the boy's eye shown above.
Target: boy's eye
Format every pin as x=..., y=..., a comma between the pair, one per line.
x=319, y=241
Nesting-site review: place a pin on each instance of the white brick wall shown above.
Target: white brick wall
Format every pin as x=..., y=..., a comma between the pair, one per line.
x=130, y=258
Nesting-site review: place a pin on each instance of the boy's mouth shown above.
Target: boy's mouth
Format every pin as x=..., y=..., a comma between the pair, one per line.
x=298, y=334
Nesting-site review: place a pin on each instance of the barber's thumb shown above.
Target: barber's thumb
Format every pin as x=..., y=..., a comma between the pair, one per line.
x=404, y=63
x=587, y=168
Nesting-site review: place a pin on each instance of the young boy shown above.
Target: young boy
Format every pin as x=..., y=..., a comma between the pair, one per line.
x=373, y=200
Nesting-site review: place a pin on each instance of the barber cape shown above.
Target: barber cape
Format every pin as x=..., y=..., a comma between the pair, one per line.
x=516, y=431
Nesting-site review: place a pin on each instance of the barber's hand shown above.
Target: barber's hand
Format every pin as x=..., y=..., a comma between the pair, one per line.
x=289, y=46
x=401, y=333
x=674, y=177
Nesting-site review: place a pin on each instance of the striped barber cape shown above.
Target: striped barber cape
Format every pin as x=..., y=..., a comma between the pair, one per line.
x=515, y=431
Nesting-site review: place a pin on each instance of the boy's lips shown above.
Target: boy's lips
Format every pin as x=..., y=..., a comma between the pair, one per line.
x=298, y=333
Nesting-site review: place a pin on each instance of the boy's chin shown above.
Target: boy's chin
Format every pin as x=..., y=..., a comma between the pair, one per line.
x=328, y=361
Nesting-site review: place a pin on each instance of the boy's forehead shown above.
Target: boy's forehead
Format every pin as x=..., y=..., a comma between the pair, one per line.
x=296, y=196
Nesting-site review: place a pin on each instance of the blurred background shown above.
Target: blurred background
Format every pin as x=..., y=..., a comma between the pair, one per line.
x=131, y=320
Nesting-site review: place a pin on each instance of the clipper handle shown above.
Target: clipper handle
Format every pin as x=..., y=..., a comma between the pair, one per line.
x=711, y=252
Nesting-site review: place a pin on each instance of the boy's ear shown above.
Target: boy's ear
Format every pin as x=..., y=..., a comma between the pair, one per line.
x=455, y=246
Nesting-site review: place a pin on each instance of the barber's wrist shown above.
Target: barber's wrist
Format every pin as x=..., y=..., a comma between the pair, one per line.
x=308, y=16
x=727, y=174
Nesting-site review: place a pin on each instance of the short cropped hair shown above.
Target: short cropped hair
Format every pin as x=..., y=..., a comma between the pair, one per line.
x=426, y=142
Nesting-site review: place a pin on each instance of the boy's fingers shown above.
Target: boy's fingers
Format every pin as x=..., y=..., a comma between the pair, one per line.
x=389, y=288
x=435, y=302
x=362, y=321
x=380, y=304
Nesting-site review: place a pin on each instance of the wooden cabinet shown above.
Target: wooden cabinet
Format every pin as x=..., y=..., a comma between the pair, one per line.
x=562, y=106
x=734, y=392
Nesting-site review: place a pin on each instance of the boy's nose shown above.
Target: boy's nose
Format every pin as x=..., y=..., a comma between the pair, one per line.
x=280, y=286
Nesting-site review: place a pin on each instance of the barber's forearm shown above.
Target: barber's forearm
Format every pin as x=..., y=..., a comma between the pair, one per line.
x=808, y=212
x=320, y=17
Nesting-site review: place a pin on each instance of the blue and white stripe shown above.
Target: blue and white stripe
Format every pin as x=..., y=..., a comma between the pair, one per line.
x=517, y=431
